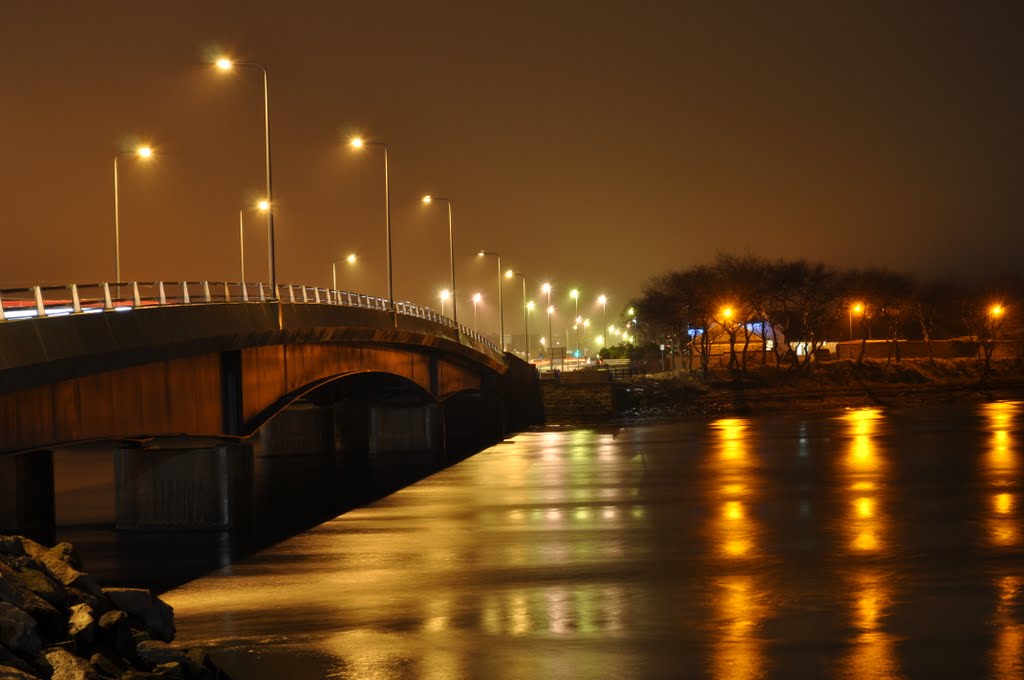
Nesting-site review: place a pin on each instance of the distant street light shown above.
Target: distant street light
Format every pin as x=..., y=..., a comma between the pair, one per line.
x=427, y=200
x=528, y=308
x=854, y=308
x=546, y=288
x=996, y=311
x=225, y=64
x=142, y=153
x=350, y=259
x=501, y=305
x=476, y=300
x=358, y=143
x=262, y=206
x=603, y=301
x=444, y=295
x=526, y=326
x=575, y=295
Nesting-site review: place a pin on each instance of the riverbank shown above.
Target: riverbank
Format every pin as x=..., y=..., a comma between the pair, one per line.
x=57, y=623
x=827, y=385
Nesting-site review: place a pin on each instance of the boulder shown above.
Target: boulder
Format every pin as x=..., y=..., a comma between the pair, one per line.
x=11, y=545
x=82, y=624
x=106, y=665
x=51, y=621
x=36, y=578
x=115, y=634
x=67, y=666
x=145, y=610
x=66, y=553
x=67, y=575
x=18, y=631
x=10, y=673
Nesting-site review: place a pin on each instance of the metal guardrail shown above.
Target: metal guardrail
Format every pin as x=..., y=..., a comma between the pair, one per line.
x=37, y=302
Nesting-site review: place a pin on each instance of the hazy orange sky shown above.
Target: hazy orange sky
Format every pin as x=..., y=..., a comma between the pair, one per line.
x=593, y=144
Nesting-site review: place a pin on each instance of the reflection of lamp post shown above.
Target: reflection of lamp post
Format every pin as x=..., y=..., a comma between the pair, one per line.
x=143, y=153
x=476, y=300
x=858, y=308
x=501, y=307
x=427, y=200
x=358, y=143
x=225, y=64
x=603, y=301
x=444, y=295
x=350, y=258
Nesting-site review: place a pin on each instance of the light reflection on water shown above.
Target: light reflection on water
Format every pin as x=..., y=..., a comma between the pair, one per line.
x=817, y=546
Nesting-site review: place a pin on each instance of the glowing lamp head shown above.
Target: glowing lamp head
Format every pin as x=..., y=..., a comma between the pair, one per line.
x=224, y=64
x=586, y=323
x=551, y=309
x=509, y=274
x=477, y=297
x=546, y=288
x=631, y=311
x=574, y=294
x=263, y=206
x=356, y=142
x=857, y=308
x=144, y=152
x=482, y=253
x=351, y=259
x=530, y=306
x=446, y=294
x=426, y=201
x=727, y=312
x=996, y=311
x=601, y=299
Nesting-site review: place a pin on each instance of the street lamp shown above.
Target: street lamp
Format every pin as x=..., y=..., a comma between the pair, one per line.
x=856, y=307
x=526, y=327
x=575, y=295
x=444, y=295
x=225, y=64
x=358, y=143
x=262, y=206
x=427, y=200
x=350, y=258
x=603, y=301
x=476, y=300
x=143, y=153
x=528, y=307
x=546, y=288
x=501, y=306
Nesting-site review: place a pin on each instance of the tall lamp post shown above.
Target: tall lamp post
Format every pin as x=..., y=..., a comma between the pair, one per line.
x=546, y=288
x=350, y=258
x=143, y=153
x=603, y=301
x=528, y=307
x=358, y=143
x=427, y=200
x=526, y=326
x=262, y=206
x=858, y=308
x=477, y=297
x=575, y=295
x=444, y=295
x=501, y=307
x=225, y=64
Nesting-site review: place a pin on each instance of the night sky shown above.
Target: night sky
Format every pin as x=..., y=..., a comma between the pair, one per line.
x=593, y=144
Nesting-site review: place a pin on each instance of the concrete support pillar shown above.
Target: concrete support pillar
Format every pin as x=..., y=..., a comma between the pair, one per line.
x=26, y=494
x=299, y=430
x=197, y=488
x=395, y=429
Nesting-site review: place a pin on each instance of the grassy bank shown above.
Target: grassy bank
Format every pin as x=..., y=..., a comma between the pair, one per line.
x=827, y=385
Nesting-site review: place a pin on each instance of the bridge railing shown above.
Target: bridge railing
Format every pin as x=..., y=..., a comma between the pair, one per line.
x=36, y=302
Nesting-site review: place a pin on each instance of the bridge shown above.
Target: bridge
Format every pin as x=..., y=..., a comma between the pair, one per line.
x=182, y=377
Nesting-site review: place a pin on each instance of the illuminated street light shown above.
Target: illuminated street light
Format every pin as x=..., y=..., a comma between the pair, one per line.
x=546, y=288
x=529, y=308
x=477, y=297
x=996, y=311
x=603, y=301
x=855, y=308
x=526, y=326
x=142, y=153
x=575, y=295
x=225, y=64
x=501, y=305
x=359, y=143
x=444, y=295
x=427, y=200
x=350, y=259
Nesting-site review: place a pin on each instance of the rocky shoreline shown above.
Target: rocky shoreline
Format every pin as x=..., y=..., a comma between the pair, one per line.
x=56, y=623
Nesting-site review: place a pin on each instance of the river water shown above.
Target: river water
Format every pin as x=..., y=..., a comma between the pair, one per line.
x=851, y=544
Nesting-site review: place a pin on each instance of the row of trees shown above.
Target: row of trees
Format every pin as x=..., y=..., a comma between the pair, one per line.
x=742, y=299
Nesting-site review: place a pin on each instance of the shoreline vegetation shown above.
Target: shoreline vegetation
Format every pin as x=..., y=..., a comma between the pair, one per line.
x=828, y=385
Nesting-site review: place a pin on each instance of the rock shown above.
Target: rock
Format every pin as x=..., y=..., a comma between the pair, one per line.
x=106, y=665
x=170, y=670
x=66, y=553
x=156, y=652
x=67, y=666
x=9, y=659
x=82, y=624
x=11, y=545
x=18, y=631
x=67, y=575
x=145, y=610
x=51, y=621
x=10, y=673
x=36, y=578
x=115, y=633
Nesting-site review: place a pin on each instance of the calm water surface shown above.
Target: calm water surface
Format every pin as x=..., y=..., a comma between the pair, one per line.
x=857, y=544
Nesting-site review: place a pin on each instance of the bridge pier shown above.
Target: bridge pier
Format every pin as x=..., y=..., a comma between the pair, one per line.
x=184, y=488
x=26, y=494
x=406, y=429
